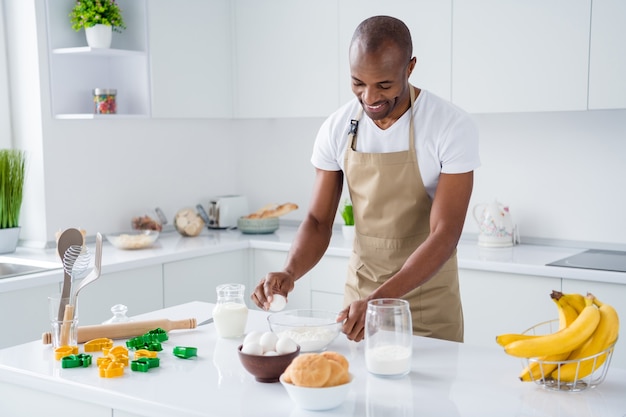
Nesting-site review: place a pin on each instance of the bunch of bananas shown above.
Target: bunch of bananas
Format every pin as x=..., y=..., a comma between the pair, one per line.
x=587, y=327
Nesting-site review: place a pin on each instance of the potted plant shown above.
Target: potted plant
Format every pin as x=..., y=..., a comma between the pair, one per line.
x=348, y=219
x=12, y=172
x=99, y=18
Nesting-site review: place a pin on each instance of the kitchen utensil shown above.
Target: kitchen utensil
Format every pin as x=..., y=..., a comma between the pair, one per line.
x=125, y=330
x=76, y=261
x=161, y=216
x=202, y=212
x=63, y=332
x=207, y=321
x=68, y=238
x=95, y=272
x=388, y=337
x=495, y=225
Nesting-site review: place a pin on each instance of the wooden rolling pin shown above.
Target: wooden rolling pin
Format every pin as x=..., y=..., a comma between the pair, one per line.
x=125, y=330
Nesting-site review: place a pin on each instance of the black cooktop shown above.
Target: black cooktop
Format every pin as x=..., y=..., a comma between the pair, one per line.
x=604, y=260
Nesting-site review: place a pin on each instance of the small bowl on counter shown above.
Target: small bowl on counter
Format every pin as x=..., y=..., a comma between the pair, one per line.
x=257, y=226
x=312, y=330
x=266, y=368
x=317, y=399
x=134, y=239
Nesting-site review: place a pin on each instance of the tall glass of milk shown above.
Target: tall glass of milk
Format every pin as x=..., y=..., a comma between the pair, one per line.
x=388, y=337
x=230, y=313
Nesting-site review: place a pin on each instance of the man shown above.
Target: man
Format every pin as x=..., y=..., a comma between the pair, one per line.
x=408, y=158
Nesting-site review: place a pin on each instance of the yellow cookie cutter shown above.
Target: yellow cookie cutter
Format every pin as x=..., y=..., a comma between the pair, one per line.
x=63, y=351
x=96, y=345
x=145, y=353
x=111, y=369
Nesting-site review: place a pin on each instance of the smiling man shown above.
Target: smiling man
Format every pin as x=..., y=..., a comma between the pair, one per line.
x=408, y=158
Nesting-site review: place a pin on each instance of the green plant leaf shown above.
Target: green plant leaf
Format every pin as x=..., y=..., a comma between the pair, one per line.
x=12, y=175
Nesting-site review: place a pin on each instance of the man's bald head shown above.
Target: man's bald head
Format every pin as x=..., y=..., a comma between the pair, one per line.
x=379, y=31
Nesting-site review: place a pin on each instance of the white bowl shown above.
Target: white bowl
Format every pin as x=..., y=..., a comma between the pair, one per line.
x=135, y=239
x=313, y=330
x=317, y=399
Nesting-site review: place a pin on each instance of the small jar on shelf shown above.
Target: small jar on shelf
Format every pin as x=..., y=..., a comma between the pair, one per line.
x=104, y=101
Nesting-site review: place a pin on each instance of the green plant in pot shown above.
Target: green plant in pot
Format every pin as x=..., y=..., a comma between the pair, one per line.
x=12, y=175
x=348, y=218
x=99, y=18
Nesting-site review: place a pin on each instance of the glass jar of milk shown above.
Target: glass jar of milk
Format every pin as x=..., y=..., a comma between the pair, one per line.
x=388, y=337
x=230, y=313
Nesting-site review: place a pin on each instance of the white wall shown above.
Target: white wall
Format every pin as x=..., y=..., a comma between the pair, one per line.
x=562, y=174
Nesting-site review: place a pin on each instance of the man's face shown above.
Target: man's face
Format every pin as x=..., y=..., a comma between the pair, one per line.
x=380, y=81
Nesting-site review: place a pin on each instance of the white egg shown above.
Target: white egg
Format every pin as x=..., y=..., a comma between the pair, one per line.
x=278, y=302
x=270, y=353
x=252, y=349
x=285, y=345
x=268, y=341
x=252, y=337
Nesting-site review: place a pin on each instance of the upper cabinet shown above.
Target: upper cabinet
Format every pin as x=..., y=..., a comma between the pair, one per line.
x=286, y=58
x=430, y=23
x=76, y=69
x=520, y=55
x=190, y=58
x=607, y=65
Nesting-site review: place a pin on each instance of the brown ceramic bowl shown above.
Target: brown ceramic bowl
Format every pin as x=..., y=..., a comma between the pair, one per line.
x=266, y=368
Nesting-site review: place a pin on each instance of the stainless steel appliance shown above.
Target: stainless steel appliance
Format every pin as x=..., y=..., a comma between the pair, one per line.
x=224, y=211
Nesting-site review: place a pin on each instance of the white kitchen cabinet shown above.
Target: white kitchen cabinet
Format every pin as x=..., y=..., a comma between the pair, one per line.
x=430, y=23
x=496, y=303
x=613, y=294
x=190, y=58
x=607, y=61
x=519, y=56
x=195, y=279
x=286, y=58
x=76, y=69
x=24, y=314
x=140, y=289
x=327, y=283
x=264, y=261
x=18, y=401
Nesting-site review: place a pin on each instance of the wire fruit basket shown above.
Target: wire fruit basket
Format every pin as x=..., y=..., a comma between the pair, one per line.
x=550, y=371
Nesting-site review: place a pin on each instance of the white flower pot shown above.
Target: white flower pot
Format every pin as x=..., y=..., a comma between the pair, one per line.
x=348, y=233
x=8, y=239
x=99, y=36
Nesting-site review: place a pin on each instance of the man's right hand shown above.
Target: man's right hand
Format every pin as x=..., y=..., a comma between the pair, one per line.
x=274, y=283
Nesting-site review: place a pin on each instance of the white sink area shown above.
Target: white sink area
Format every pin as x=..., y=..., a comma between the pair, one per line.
x=11, y=267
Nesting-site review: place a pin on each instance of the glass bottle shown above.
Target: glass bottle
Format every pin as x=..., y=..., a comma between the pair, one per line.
x=230, y=312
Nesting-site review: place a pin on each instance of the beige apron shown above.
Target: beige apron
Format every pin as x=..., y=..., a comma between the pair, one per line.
x=392, y=214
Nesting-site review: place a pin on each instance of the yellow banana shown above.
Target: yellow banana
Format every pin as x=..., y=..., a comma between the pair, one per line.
x=566, y=315
x=543, y=367
x=603, y=337
x=561, y=341
x=575, y=300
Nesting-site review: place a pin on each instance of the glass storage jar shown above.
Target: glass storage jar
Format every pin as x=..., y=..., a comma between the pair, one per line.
x=105, y=100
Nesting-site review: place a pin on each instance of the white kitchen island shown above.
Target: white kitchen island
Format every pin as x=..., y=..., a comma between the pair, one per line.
x=447, y=379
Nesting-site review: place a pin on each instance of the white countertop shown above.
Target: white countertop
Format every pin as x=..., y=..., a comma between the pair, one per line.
x=520, y=259
x=447, y=379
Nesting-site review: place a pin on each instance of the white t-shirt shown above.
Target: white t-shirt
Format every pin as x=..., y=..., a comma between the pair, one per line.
x=446, y=138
